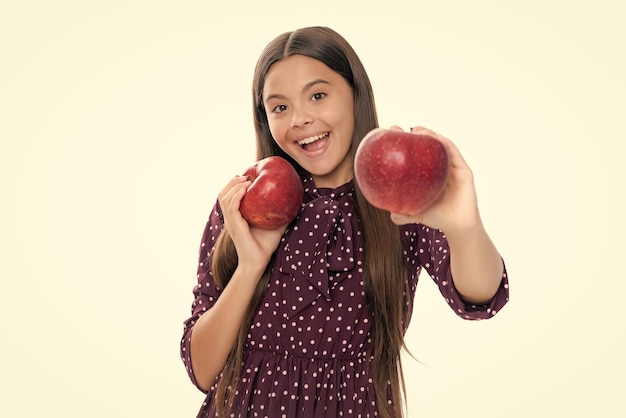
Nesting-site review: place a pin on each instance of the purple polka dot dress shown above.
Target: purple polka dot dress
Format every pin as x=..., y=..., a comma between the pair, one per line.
x=308, y=350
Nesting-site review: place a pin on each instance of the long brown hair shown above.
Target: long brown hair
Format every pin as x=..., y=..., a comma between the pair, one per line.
x=385, y=275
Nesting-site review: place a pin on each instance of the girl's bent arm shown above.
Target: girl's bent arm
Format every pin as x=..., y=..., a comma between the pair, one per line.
x=213, y=334
x=216, y=331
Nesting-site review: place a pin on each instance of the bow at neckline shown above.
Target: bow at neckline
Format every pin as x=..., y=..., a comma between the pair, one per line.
x=320, y=243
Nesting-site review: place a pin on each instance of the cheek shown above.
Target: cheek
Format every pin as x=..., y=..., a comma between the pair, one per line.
x=344, y=117
x=276, y=129
x=273, y=131
x=278, y=135
x=345, y=124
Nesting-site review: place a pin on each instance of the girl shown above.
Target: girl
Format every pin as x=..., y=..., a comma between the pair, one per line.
x=308, y=320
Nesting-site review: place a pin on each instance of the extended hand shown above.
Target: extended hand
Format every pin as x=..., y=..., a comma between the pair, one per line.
x=456, y=208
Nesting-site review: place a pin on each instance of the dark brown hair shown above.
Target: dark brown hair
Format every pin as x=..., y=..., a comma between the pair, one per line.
x=385, y=274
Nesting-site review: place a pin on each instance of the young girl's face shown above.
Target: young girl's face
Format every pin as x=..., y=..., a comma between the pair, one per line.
x=310, y=110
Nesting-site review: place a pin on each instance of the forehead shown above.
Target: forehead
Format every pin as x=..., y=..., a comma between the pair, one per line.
x=294, y=72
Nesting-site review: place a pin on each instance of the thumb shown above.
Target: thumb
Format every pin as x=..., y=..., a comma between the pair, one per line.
x=402, y=219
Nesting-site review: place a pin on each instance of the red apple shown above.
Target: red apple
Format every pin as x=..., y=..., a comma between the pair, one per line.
x=399, y=171
x=275, y=196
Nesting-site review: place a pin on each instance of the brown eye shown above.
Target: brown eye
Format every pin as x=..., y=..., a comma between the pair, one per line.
x=279, y=108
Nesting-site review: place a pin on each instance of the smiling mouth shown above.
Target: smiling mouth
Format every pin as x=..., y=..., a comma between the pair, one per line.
x=310, y=140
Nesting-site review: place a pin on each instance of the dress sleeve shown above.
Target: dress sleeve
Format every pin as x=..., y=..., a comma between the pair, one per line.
x=428, y=248
x=205, y=292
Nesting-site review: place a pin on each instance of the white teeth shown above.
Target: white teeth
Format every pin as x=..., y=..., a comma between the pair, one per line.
x=311, y=139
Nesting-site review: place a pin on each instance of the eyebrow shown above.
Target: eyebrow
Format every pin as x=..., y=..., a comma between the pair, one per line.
x=305, y=88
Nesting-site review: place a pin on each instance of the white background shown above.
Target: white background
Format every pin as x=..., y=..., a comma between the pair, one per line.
x=121, y=120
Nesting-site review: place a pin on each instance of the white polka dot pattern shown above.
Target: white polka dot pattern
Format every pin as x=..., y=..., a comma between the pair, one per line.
x=308, y=349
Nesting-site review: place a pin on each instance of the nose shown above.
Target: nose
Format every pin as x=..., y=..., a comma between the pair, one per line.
x=301, y=118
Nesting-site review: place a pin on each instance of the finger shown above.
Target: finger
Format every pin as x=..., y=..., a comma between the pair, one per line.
x=232, y=199
x=226, y=194
x=402, y=219
x=422, y=130
x=231, y=183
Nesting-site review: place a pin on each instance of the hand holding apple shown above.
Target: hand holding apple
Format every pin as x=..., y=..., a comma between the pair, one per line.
x=401, y=172
x=275, y=195
x=456, y=209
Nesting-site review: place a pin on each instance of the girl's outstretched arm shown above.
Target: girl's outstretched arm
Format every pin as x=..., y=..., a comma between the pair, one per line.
x=477, y=267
